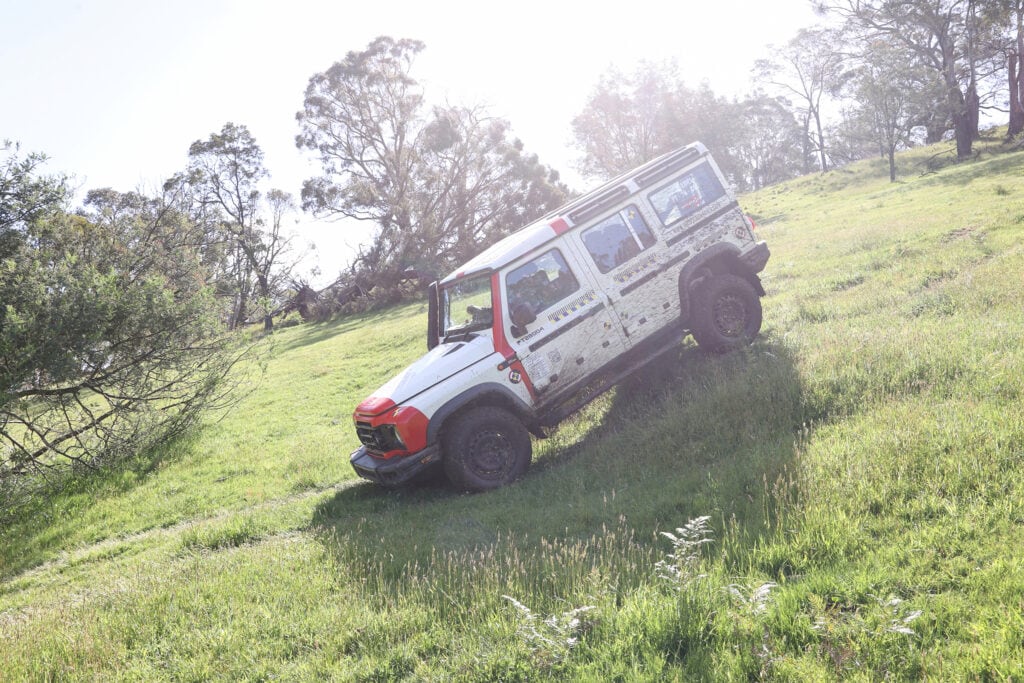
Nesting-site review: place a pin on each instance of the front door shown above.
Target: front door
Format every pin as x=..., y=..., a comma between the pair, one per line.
x=558, y=323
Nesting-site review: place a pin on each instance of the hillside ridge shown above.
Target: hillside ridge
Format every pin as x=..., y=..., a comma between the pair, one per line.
x=858, y=472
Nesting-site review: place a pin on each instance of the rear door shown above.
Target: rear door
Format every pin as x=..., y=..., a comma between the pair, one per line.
x=556, y=320
x=624, y=260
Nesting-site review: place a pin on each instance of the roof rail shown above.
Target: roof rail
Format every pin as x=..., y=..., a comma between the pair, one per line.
x=585, y=206
x=665, y=166
x=599, y=203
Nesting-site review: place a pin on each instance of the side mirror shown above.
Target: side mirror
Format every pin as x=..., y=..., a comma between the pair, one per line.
x=480, y=315
x=521, y=316
x=433, y=325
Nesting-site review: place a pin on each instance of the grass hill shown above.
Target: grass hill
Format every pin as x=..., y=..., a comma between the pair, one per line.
x=845, y=498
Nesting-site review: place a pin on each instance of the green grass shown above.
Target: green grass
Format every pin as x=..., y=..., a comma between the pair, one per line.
x=864, y=456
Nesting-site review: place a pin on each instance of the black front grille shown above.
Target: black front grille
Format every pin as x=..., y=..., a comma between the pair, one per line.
x=368, y=436
x=380, y=439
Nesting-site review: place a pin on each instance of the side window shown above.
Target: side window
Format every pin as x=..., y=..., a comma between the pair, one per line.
x=617, y=239
x=538, y=285
x=686, y=194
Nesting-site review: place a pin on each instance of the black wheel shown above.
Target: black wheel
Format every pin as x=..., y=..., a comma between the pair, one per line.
x=485, y=448
x=727, y=313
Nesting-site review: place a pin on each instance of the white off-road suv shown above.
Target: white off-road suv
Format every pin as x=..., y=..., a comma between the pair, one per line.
x=543, y=321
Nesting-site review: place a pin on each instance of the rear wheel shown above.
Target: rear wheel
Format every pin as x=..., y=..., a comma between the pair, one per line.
x=486, y=448
x=727, y=313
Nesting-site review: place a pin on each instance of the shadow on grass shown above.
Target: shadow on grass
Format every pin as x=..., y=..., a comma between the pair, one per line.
x=690, y=434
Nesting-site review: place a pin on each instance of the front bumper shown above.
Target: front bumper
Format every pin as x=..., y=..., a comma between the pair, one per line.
x=756, y=258
x=393, y=471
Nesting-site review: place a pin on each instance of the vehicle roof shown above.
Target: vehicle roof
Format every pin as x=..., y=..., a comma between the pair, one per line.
x=577, y=211
x=507, y=250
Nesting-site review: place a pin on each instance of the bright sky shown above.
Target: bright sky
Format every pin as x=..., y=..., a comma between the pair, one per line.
x=115, y=91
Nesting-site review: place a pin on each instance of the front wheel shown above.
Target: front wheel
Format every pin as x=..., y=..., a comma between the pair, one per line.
x=727, y=313
x=486, y=448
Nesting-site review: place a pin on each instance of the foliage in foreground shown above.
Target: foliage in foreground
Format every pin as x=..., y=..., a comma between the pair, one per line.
x=842, y=501
x=109, y=334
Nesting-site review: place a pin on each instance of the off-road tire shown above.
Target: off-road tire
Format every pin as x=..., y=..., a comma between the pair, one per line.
x=726, y=313
x=485, y=448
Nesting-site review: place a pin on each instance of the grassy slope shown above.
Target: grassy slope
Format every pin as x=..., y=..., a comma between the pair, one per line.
x=864, y=455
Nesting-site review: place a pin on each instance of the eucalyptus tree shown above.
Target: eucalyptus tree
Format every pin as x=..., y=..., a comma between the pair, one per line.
x=769, y=145
x=224, y=177
x=437, y=183
x=1008, y=15
x=1015, y=67
x=883, y=87
x=630, y=118
x=810, y=67
x=942, y=37
x=626, y=119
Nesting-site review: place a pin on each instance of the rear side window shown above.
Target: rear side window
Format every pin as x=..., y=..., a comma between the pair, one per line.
x=541, y=283
x=686, y=195
x=617, y=239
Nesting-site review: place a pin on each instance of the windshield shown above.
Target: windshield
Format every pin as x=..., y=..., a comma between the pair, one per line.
x=466, y=306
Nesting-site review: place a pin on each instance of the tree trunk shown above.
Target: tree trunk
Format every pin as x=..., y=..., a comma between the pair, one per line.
x=961, y=123
x=241, y=311
x=972, y=103
x=821, y=141
x=962, y=130
x=1015, y=67
x=268, y=316
x=807, y=150
x=1020, y=67
x=973, y=108
x=957, y=105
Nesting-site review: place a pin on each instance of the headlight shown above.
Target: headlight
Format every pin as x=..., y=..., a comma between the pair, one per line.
x=389, y=439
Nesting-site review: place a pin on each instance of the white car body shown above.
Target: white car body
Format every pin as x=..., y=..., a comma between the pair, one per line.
x=576, y=301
